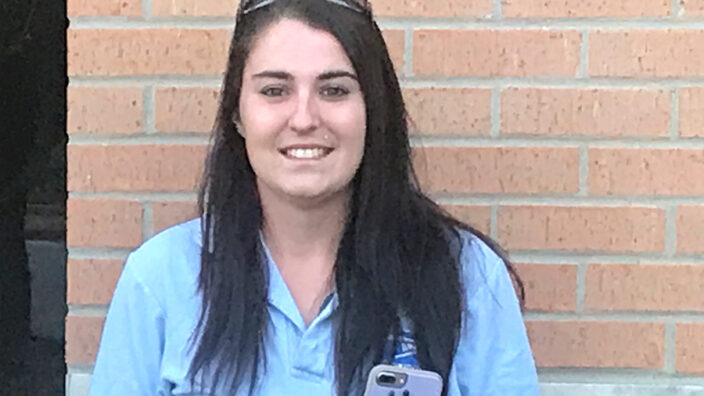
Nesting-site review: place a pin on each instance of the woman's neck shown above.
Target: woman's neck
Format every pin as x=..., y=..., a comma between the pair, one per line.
x=303, y=241
x=298, y=231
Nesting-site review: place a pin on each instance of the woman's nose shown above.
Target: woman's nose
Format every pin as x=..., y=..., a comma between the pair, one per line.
x=305, y=116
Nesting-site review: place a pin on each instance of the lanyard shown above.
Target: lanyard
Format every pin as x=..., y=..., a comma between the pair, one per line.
x=400, y=348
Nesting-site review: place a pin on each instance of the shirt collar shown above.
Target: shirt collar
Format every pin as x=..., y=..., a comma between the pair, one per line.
x=280, y=297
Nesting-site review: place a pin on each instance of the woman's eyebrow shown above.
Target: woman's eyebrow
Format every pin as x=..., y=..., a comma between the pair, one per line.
x=329, y=75
x=281, y=75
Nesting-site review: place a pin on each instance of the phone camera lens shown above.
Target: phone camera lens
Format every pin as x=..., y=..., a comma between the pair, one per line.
x=386, y=379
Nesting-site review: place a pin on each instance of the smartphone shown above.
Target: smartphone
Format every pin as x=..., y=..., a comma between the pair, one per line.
x=386, y=380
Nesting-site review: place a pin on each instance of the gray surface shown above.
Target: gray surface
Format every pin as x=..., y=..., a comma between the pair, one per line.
x=47, y=265
x=36, y=369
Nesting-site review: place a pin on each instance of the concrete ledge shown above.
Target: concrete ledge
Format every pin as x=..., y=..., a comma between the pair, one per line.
x=562, y=389
x=77, y=384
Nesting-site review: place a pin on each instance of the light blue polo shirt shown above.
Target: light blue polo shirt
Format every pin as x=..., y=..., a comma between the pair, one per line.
x=144, y=347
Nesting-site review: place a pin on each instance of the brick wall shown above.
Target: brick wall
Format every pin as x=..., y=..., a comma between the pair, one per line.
x=572, y=131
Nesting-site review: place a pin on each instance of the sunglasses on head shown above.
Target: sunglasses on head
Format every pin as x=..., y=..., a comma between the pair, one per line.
x=361, y=6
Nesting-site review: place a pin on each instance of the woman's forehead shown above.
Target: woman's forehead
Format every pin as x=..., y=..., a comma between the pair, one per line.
x=293, y=45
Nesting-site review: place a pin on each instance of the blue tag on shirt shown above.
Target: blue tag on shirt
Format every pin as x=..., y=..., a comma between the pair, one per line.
x=400, y=348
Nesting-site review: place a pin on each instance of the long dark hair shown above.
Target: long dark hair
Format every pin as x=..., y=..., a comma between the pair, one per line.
x=399, y=253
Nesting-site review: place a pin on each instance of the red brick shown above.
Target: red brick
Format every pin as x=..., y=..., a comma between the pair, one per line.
x=167, y=214
x=498, y=170
x=591, y=112
x=598, y=344
x=191, y=109
x=584, y=9
x=76, y=8
x=690, y=229
x=647, y=53
x=616, y=287
x=692, y=111
x=492, y=53
x=549, y=287
x=92, y=281
x=134, y=168
x=432, y=8
x=692, y=8
x=116, y=110
x=478, y=217
x=395, y=44
x=689, y=339
x=103, y=223
x=138, y=52
x=463, y=111
x=82, y=339
x=609, y=229
x=195, y=8
x=633, y=171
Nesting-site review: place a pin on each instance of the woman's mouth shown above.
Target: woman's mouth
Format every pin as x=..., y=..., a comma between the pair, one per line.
x=306, y=152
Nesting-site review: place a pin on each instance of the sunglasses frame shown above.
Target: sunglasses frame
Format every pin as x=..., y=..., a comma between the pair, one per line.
x=361, y=6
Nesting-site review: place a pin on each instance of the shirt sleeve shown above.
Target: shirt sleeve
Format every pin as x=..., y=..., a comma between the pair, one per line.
x=494, y=357
x=132, y=344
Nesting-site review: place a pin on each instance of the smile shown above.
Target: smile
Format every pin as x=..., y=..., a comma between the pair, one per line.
x=306, y=153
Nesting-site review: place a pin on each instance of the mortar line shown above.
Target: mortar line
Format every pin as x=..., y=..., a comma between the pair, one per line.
x=408, y=53
x=149, y=121
x=136, y=196
x=148, y=21
x=98, y=253
x=541, y=257
x=581, y=290
x=583, y=171
x=495, y=131
x=604, y=83
x=156, y=80
x=79, y=368
x=670, y=348
x=87, y=310
x=572, y=142
x=497, y=12
x=493, y=223
x=677, y=9
x=214, y=81
x=643, y=201
x=147, y=220
x=165, y=139
x=620, y=316
x=583, y=71
x=674, y=125
x=417, y=140
x=671, y=230
x=148, y=10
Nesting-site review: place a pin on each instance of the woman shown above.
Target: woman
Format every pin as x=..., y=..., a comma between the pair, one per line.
x=316, y=255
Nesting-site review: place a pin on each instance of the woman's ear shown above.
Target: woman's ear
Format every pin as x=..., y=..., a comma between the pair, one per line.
x=238, y=125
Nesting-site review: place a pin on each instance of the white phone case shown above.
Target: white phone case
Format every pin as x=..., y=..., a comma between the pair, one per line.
x=408, y=382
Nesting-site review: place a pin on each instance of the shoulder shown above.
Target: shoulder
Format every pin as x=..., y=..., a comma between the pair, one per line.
x=481, y=267
x=168, y=260
x=174, y=242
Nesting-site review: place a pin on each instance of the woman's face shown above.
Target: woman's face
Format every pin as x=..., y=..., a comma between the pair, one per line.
x=302, y=113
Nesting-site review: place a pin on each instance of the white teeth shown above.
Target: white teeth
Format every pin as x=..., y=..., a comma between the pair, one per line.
x=306, y=153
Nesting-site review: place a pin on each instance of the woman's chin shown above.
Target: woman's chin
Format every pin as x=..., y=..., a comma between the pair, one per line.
x=313, y=194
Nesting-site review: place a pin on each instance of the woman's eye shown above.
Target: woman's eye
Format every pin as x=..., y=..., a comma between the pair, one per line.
x=334, y=92
x=273, y=91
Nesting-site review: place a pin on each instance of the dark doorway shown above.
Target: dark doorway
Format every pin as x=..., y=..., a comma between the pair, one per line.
x=32, y=196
